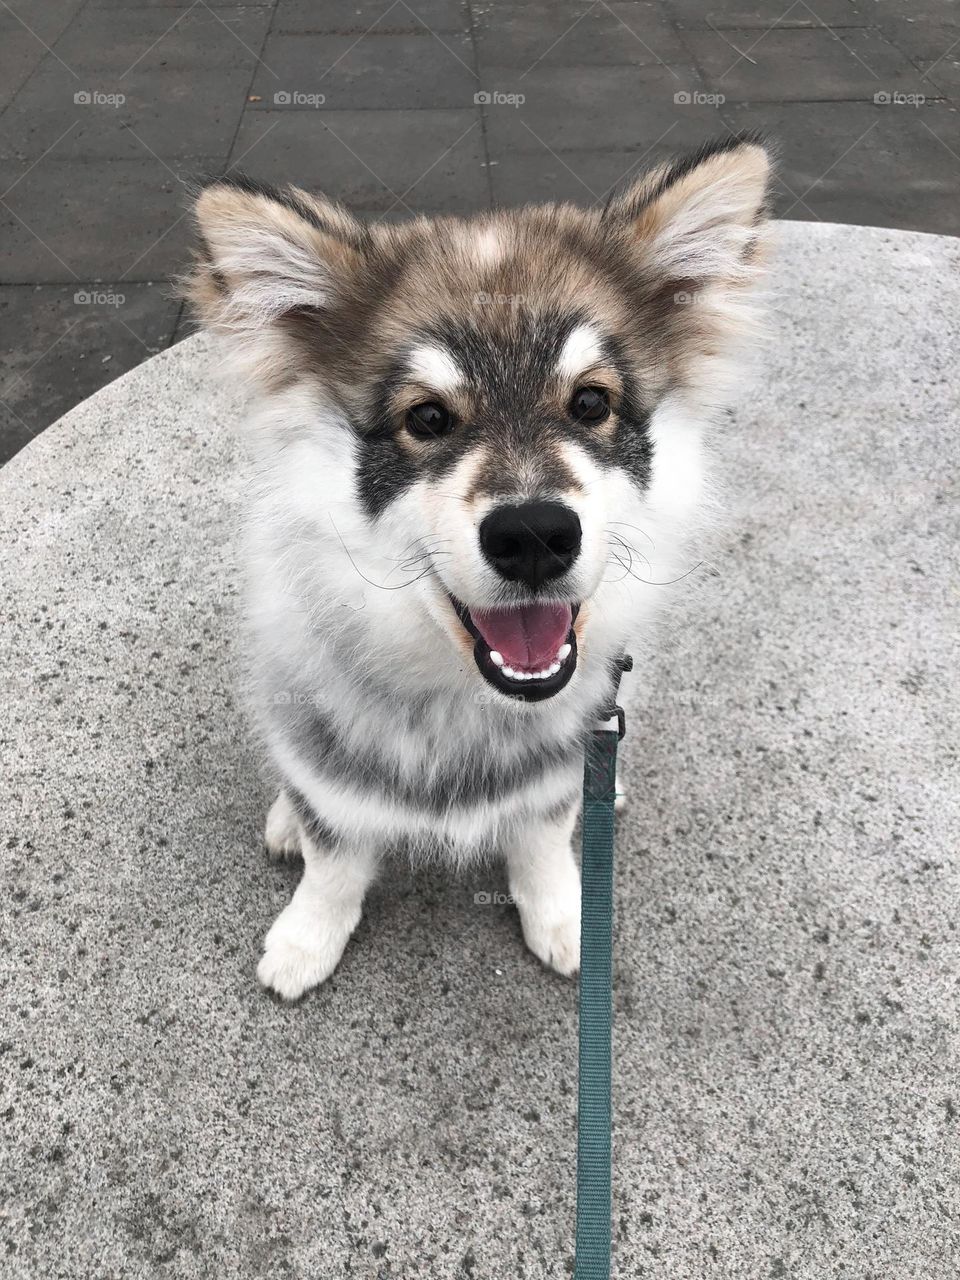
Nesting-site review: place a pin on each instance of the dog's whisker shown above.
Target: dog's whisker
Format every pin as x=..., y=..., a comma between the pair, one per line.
x=383, y=586
x=627, y=525
x=631, y=551
x=647, y=582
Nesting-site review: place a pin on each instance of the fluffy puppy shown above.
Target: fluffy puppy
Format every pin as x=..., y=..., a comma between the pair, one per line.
x=478, y=452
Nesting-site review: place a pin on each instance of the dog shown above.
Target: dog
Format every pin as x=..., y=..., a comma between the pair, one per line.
x=479, y=450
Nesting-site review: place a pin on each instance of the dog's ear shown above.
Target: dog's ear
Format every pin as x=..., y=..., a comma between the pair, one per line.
x=696, y=221
x=266, y=253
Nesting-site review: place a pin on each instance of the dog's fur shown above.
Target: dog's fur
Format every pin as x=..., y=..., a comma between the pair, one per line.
x=383, y=727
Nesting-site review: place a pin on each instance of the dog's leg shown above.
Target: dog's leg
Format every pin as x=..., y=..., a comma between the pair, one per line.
x=282, y=834
x=308, y=937
x=545, y=884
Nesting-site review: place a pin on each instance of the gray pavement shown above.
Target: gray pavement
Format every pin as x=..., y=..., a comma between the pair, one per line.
x=113, y=106
x=787, y=954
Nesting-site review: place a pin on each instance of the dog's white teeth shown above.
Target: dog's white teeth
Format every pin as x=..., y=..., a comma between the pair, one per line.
x=564, y=652
x=509, y=671
x=553, y=670
x=497, y=658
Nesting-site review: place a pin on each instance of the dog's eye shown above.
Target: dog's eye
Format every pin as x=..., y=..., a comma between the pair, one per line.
x=429, y=420
x=589, y=404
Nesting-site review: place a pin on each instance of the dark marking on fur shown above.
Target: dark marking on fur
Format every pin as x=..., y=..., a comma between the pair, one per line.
x=465, y=783
x=317, y=830
x=515, y=421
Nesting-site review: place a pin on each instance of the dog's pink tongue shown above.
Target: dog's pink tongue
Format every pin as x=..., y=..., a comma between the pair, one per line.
x=527, y=636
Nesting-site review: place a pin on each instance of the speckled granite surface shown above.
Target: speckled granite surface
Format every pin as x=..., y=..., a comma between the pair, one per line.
x=787, y=957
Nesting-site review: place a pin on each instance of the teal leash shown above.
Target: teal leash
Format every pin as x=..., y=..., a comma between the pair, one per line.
x=596, y=1008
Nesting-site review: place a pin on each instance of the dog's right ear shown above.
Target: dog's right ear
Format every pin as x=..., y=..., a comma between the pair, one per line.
x=266, y=253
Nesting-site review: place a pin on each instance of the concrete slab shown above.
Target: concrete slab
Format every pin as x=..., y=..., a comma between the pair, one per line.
x=150, y=113
x=374, y=72
x=784, y=65
x=54, y=228
x=582, y=177
x=724, y=15
x=433, y=160
x=566, y=110
x=539, y=33
x=387, y=17
x=786, y=949
x=195, y=38
x=25, y=41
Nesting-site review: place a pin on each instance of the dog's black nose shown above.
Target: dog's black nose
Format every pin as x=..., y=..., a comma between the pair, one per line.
x=532, y=542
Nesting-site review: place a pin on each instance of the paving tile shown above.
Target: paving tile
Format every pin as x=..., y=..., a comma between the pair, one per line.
x=579, y=177
x=26, y=32
x=169, y=115
x=612, y=108
x=354, y=18
x=178, y=40
x=368, y=159
x=373, y=72
x=801, y=66
x=933, y=47
x=43, y=22
x=71, y=220
x=170, y=5
x=541, y=34
x=20, y=55
x=66, y=349
x=941, y=75
x=643, y=11
x=857, y=162
x=944, y=12
x=728, y=14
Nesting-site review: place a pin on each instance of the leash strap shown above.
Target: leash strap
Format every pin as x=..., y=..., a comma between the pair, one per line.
x=596, y=1013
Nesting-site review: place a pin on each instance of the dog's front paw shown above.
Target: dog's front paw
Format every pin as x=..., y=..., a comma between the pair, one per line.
x=302, y=951
x=282, y=834
x=551, y=929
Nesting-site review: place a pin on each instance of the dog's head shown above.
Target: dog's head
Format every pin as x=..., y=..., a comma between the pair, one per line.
x=506, y=409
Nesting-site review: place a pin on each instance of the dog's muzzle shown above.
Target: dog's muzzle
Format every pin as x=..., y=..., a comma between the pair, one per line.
x=527, y=651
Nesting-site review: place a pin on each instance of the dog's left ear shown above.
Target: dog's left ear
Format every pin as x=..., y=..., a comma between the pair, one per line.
x=696, y=221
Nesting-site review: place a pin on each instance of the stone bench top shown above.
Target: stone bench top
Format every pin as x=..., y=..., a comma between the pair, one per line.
x=787, y=960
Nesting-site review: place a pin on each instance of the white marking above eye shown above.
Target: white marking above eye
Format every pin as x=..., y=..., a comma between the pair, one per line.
x=581, y=350
x=436, y=367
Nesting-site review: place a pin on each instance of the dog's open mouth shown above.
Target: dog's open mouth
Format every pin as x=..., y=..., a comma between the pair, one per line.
x=528, y=651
